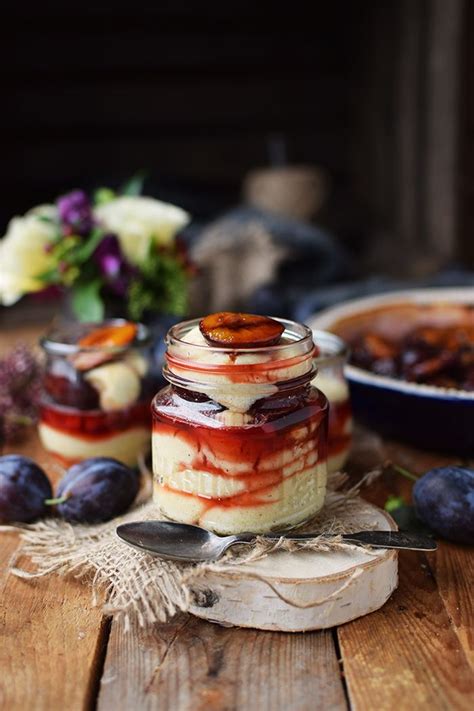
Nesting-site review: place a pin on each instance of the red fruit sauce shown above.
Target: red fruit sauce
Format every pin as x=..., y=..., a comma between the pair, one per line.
x=275, y=428
x=94, y=424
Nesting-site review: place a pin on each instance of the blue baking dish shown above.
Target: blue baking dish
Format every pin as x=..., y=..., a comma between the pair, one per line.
x=425, y=416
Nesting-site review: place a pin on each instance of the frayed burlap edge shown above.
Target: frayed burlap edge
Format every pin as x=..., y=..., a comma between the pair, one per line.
x=137, y=585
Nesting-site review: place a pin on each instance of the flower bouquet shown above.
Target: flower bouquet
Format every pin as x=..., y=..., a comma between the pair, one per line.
x=108, y=249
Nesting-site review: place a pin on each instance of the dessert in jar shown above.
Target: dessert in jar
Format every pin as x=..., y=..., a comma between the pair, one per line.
x=330, y=361
x=239, y=434
x=97, y=389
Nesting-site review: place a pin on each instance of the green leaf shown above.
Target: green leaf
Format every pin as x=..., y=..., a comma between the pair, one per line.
x=51, y=276
x=87, y=302
x=161, y=287
x=103, y=195
x=82, y=252
x=393, y=503
x=134, y=186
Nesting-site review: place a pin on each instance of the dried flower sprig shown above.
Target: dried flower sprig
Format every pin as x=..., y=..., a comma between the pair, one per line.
x=20, y=386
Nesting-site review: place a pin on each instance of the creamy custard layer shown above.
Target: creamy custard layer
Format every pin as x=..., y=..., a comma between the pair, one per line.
x=125, y=446
x=292, y=501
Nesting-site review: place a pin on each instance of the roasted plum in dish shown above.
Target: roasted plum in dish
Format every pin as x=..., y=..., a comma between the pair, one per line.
x=431, y=355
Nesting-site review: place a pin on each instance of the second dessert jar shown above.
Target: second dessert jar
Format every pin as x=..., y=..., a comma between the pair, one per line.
x=97, y=388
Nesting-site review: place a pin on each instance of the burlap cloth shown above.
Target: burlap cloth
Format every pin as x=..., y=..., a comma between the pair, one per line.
x=147, y=588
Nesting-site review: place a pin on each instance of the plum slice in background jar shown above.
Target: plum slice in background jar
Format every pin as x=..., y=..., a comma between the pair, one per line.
x=97, y=388
x=239, y=434
x=330, y=361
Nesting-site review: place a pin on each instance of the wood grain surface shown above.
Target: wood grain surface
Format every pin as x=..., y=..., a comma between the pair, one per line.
x=407, y=655
x=195, y=666
x=52, y=639
x=414, y=653
x=453, y=569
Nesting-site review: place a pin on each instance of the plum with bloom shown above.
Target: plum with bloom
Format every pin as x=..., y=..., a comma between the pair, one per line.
x=24, y=489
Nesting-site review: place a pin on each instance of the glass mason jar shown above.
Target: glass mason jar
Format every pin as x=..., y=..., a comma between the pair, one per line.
x=239, y=435
x=331, y=379
x=96, y=397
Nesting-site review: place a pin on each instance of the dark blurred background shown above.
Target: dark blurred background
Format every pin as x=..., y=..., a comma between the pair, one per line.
x=374, y=93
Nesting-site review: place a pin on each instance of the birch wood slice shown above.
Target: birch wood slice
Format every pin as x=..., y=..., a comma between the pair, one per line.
x=294, y=592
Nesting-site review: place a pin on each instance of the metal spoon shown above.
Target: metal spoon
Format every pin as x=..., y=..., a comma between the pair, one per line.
x=183, y=542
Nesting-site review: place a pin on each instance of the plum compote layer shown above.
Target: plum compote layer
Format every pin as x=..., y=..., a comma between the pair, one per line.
x=92, y=425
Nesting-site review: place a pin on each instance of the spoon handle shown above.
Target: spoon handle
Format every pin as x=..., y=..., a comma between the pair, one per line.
x=376, y=539
x=392, y=539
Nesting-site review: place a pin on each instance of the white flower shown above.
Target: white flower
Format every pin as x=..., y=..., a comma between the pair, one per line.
x=23, y=255
x=139, y=221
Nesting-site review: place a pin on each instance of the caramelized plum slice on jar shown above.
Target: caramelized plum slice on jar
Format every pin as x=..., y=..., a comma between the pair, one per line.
x=109, y=336
x=114, y=336
x=236, y=330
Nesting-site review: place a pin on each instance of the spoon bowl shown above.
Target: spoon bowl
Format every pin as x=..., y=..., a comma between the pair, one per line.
x=176, y=541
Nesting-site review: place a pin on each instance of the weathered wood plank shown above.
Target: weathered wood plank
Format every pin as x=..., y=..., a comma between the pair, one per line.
x=52, y=640
x=453, y=569
x=452, y=566
x=413, y=653
x=407, y=655
x=192, y=665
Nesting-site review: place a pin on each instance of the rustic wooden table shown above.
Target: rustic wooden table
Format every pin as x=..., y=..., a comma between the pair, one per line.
x=57, y=651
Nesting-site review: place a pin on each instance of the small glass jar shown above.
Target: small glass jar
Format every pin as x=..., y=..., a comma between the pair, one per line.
x=331, y=379
x=96, y=398
x=239, y=436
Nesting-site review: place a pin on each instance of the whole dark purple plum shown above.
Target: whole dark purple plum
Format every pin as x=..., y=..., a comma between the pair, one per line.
x=444, y=500
x=23, y=489
x=96, y=490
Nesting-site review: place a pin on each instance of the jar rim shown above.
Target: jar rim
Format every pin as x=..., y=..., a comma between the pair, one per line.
x=55, y=343
x=291, y=330
x=332, y=348
x=239, y=366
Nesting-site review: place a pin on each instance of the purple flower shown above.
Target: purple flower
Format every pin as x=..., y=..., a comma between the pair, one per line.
x=113, y=266
x=75, y=212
